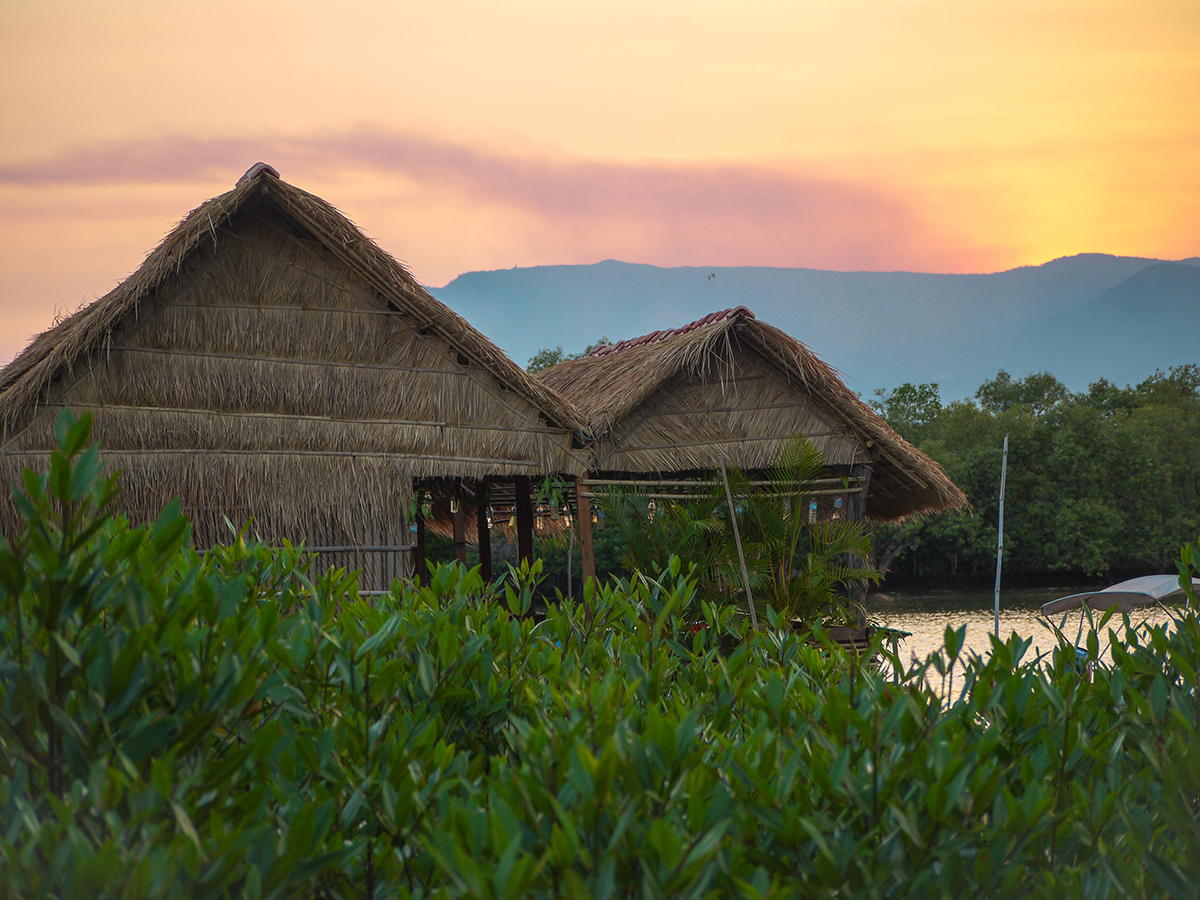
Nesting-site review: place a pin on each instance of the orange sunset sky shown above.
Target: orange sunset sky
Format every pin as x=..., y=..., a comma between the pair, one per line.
x=930, y=135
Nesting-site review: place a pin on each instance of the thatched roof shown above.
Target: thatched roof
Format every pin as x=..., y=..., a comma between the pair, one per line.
x=269, y=362
x=749, y=382
x=90, y=328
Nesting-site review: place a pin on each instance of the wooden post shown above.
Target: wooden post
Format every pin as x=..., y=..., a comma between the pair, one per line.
x=524, y=504
x=857, y=504
x=420, y=569
x=459, y=516
x=858, y=512
x=583, y=509
x=485, y=534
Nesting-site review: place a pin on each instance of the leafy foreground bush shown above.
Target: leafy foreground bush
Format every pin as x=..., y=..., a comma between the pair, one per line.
x=177, y=725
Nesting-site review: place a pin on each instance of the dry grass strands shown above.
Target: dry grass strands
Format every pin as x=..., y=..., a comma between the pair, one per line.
x=287, y=249
x=269, y=362
x=737, y=389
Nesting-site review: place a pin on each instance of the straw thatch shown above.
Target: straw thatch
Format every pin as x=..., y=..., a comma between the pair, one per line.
x=734, y=388
x=268, y=361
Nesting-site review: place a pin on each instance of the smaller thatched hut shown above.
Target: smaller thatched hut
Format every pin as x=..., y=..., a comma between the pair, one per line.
x=269, y=363
x=731, y=388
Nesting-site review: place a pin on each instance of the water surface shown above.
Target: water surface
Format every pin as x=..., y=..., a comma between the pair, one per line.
x=926, y=614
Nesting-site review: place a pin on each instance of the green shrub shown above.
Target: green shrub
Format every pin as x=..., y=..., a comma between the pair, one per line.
x=804, y=570
x=233, y=725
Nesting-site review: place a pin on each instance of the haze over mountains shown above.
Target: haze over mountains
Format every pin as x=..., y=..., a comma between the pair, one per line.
x=1080, y=318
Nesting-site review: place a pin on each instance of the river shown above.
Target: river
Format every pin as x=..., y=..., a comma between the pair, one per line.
x=926, y=615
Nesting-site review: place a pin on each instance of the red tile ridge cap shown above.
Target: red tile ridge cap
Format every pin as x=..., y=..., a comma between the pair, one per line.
x=255, y=170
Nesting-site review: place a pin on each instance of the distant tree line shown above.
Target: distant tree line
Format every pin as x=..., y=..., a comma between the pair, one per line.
x=1102, y=483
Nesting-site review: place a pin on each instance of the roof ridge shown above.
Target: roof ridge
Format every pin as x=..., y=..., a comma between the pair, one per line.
x=655, y=336
x=255, y=170
x=61, y=344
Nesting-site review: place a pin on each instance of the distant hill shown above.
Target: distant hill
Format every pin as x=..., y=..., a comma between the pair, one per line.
x=1080, y=317
x=1150, y=320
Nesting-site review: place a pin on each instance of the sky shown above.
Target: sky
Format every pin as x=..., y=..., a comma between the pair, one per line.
x=920, y=135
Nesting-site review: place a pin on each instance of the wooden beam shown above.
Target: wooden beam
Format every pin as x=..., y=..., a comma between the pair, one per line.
x=727, y=409
x=290, y=361
x=339, y=420
x=274, y=307
x=110, y=453
x=859, y=504
x=524, y=510
x=364, y=548
x=658, y=482
x=733, y=440
x=483, y=530
x=832, y=492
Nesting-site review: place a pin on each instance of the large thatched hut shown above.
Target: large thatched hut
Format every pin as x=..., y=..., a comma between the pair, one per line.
x=730, y=388
x=269, y=363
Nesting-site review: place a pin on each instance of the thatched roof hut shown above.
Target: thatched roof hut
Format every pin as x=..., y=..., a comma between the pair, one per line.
x=731, y=387
x=269, y=362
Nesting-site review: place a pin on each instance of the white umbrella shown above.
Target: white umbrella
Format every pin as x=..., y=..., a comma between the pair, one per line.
x=1125, y=596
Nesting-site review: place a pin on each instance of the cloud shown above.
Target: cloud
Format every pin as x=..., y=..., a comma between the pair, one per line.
x=661, y=212
x=163, y=160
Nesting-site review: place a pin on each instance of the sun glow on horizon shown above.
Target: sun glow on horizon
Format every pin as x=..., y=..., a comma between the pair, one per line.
x=925, y=134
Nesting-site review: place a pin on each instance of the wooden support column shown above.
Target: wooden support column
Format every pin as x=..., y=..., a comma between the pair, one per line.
x=420, y=569
x=459, y=516
x=583, y=508
x=858, y=502
x=524, y=504
x=858, y=512
x=485, y=534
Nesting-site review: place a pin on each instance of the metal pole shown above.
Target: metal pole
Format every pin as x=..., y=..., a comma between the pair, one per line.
x=738, y=540
x=1000, y=532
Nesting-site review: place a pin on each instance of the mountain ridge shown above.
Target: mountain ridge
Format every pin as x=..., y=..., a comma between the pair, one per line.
x=879, y=329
